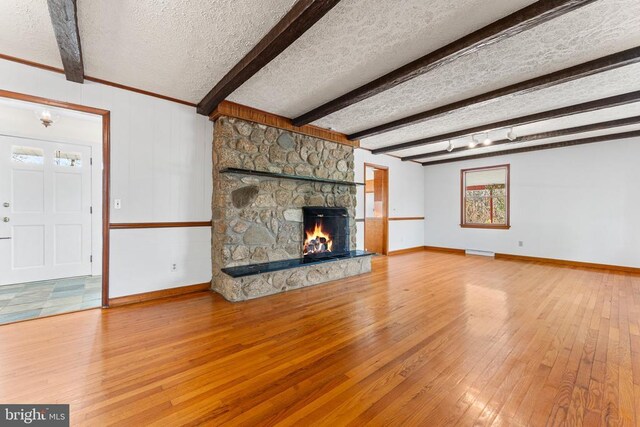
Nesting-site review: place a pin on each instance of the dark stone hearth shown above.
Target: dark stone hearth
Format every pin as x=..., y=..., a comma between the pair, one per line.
x=244, y=196
x=268, y=267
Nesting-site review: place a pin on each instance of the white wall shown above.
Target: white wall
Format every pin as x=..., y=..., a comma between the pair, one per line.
x=406, y=199
x=578, y=203
x=160, y=169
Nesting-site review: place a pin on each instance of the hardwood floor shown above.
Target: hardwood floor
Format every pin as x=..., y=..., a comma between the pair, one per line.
x=426, y=339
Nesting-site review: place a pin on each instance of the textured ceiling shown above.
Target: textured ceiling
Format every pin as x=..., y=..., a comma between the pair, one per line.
x=178, y=48
x=26, y=32
x=515, y=145
x=601, y=28
x=598, y=86
x=360, y=40
x=181, y=48
x=582, y=119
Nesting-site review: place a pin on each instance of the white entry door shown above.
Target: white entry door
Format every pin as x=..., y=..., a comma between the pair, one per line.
x=45, y=210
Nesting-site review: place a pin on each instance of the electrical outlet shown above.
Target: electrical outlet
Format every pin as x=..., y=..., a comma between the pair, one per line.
x=117, y=204
x=174, y=267
x=520, y=243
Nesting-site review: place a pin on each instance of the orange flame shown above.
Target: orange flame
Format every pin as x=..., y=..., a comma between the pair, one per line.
x=316, y=234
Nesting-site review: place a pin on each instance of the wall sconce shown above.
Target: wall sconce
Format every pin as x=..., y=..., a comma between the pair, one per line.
x=46, y=118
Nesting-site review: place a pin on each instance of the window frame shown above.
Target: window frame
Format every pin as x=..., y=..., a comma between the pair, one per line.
x=463, y=223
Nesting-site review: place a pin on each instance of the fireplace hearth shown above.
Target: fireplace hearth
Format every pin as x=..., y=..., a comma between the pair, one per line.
x=326, y=232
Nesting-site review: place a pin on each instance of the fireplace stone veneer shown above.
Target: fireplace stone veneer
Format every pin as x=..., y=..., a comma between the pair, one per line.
x=258, y=219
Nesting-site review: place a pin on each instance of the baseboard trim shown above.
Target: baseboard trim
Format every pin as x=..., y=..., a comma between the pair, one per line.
x=568, y=263
x=132, y=225
x=163, y=293
x=555, y=261
x=406, y=251
x=446, y=250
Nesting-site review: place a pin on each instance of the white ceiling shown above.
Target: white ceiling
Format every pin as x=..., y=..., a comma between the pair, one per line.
x=177, y=48
x=21, y=119
x=516, y=144
x=181, y=48
x=582, y=119
x=601, y=28
x=356, y=42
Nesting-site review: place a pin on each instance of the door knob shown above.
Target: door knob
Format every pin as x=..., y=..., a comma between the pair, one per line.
x=6, y=204
x=6, y=219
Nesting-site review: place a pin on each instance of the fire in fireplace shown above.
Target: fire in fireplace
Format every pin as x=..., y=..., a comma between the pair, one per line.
x=326, y=231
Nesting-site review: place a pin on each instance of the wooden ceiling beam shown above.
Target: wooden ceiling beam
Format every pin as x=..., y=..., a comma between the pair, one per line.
x=509, y=26
x=590, y=140
x=302, y=16
x=600, y=65
x=64, y=18
x=585, y=107
x=536, y=137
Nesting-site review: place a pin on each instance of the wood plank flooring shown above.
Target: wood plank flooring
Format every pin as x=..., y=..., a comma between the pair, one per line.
x=427, y=339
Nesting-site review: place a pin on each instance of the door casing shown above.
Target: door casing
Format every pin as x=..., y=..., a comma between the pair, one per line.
x=106, y=170
x=385, y=198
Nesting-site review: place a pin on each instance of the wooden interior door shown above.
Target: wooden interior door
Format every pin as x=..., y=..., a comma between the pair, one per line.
x=376, y=221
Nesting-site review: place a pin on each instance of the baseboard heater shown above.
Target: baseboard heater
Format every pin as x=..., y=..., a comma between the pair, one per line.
x=480, y=253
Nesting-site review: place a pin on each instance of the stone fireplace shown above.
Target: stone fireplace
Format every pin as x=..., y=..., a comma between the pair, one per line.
x=271, y=188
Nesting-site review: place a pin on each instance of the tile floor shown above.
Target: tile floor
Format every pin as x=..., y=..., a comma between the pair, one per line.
x=39, y=299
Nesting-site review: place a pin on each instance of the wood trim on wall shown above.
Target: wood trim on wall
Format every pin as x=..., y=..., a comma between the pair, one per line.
x=52, y=102
x=407, y=250
x=106, y=204
x=406, y=218
x=239, y=111
x=568, y=263
x=130, y=225
x=398, y=218
x=554, y=261
x=106, y=170
x=385, y=218
x=446, y=250
x=96, y=80
x=163, y=293
x=486, y=226
x=140, y=91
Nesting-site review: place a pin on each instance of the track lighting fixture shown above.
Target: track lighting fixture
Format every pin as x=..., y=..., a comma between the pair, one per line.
x=474, y=142
x=487, y=140
x=450, y=147
x=511, y=135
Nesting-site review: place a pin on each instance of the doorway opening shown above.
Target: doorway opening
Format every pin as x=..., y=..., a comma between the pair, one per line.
x=376, y=209
x=53, y=159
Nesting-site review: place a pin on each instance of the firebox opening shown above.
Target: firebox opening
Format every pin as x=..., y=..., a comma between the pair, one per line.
x=326, y=232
